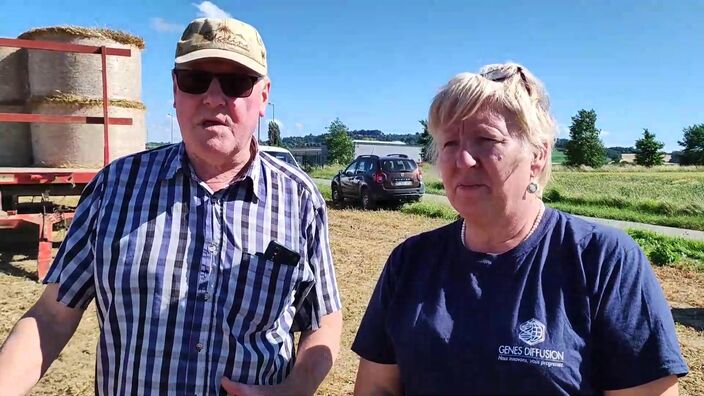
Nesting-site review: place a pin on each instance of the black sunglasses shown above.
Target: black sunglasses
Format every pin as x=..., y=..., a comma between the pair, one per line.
x=197, y=82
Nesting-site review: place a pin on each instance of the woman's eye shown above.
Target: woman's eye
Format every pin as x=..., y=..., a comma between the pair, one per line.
x=450, y=143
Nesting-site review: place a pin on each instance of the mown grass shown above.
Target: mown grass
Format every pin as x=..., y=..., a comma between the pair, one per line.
x=430, y=209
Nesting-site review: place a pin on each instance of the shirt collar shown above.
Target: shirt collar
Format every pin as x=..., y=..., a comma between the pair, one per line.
x=176, y=160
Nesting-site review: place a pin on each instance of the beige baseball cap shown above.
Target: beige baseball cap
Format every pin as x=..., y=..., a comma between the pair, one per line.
x=227, y=38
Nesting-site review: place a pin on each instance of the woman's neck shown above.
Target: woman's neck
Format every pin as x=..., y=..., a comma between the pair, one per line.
x=503, y=233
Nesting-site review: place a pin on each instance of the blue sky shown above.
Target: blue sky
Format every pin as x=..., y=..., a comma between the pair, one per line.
x=376, y=64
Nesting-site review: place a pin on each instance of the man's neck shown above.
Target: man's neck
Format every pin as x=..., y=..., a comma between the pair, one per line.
x=502, y=233
x=219, y=175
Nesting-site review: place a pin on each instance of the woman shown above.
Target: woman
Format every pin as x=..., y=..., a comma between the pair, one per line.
x=515, y=297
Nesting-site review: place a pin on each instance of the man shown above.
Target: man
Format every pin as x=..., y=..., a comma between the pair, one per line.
x=203, y=257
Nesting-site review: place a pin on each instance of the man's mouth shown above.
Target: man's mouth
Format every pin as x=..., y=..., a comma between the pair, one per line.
x=212, y=122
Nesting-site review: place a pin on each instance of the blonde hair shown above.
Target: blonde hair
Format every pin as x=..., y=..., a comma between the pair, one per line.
x=507, y=85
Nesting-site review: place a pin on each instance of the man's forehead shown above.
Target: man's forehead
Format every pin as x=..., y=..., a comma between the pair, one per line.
x=217, y=65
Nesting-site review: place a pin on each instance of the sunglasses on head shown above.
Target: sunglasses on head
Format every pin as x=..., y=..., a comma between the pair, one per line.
x=500, y=75
x=197, y=82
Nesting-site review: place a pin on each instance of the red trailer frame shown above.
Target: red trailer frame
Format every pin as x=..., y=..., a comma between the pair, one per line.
x=15, y=182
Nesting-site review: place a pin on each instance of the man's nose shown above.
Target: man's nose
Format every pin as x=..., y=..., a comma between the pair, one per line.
x=214, y=95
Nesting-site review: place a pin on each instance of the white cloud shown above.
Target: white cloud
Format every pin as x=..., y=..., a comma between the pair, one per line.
x=210, y=10
x=605, y=132
x=161, y=25
x=299, y=126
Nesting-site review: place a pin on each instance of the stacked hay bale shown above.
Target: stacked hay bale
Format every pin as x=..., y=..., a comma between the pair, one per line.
x=15, y=143
x=71, y=84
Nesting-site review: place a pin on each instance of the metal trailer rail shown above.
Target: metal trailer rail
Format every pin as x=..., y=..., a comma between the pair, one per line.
x=45, y=182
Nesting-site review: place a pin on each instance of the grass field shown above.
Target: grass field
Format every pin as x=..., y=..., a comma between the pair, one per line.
x=357, y=272
x=668, y=195
x=326, y=172
x=667, y=198
x=558, y=157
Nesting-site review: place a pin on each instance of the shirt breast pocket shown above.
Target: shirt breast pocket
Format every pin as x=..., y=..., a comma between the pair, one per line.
x=269, y=290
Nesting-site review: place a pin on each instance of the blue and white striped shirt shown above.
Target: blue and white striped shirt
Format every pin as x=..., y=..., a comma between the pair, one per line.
x=183, y=292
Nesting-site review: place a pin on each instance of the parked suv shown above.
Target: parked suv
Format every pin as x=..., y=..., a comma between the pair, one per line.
x=372, y=179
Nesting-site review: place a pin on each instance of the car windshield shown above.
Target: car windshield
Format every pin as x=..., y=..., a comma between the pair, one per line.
x=398, y=165
x=281, y=156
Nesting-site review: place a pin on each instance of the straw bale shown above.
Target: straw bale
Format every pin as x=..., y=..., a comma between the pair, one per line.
x=52, y=72
x=79, y=145
x=13, y=75
x=15, y=142
x=84, y=32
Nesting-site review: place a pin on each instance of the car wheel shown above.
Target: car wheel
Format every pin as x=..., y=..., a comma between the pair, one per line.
x=367, y=200
x=336, y=196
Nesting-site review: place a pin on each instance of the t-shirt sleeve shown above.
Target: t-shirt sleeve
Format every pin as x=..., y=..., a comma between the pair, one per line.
x=72, y=269
x=634, y=333
x=373, y=342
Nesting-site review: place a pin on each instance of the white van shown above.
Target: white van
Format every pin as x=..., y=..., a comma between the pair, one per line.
x=280, y=154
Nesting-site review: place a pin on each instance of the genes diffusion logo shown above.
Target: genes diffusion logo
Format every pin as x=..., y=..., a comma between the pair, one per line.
x=532, y=332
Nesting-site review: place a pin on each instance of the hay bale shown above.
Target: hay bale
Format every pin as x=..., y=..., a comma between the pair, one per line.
x=81, y=146
x=13, y=69
x=80, y=74
x=16, y=144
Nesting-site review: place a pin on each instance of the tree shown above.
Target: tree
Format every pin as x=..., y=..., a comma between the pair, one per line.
x=274, y=134
x=648, y=150
x=426, y=140
x=693, y=143
x=585, y=147
x=340, y=145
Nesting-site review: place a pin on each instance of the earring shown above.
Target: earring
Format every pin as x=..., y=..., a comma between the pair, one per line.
x=532, y=187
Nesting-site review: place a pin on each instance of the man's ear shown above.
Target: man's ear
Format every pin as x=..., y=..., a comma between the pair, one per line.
x=175, y=87
x=266, y=86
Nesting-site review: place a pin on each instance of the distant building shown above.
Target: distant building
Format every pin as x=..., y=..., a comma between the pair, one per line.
x=631, y=158
x=376, y=147
x=310, y=156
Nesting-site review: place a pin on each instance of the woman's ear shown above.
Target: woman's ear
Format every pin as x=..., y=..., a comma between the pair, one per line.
x=540, y=159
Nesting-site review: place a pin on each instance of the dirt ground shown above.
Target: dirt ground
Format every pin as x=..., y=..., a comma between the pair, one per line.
x=357, y=272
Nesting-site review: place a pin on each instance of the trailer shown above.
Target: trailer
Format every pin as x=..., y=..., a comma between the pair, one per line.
x=44, y=183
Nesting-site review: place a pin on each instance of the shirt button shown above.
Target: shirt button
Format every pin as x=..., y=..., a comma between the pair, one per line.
x=212, y=248
x=199, y=347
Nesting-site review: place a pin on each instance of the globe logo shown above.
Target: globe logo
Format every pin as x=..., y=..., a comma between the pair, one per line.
x=532, y=332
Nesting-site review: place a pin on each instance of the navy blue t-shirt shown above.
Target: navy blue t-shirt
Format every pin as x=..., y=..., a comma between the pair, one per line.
x=573, y=309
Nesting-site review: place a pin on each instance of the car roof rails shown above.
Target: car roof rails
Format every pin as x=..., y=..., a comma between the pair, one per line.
x=397, y=155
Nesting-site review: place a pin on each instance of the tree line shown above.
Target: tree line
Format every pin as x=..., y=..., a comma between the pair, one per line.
x=586, y=148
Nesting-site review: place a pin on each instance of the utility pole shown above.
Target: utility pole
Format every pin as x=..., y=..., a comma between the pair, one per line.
x=171, y=139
